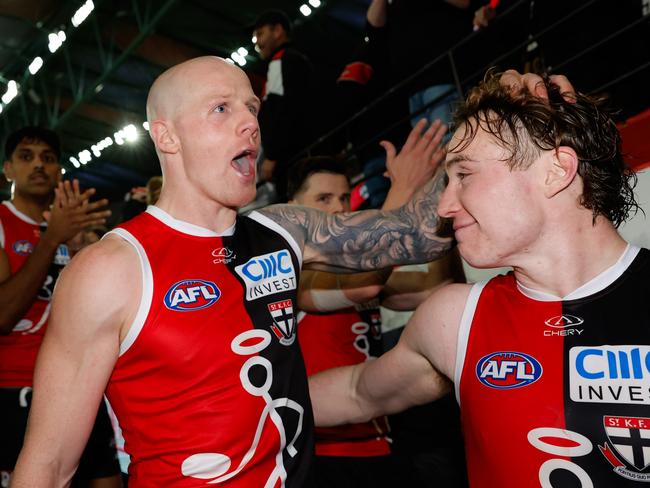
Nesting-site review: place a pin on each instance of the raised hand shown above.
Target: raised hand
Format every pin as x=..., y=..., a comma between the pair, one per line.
x=72, y=212
x=416, y=163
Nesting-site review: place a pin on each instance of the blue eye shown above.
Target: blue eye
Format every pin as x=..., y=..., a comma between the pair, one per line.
x=220, y=109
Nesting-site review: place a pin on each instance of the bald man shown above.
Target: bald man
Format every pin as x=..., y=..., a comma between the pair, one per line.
x=185, y=314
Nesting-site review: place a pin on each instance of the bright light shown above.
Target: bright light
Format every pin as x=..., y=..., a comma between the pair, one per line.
x=95, y=150
x=10, y=94
x=82, y=12
x=254, y=39
x=75, y=162
x=305, y=10
x=239, y=59
x=62, y=171
x=230, y=61
x=243, y=51
x=315, y=3
x=130, y=133
x=145, y=125
x=35, y=65
x=55, y=41
x=84, y=156
x=119, y=137
x=0, y=108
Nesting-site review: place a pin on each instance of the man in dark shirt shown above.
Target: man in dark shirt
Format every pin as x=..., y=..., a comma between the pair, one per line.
x=282, y=117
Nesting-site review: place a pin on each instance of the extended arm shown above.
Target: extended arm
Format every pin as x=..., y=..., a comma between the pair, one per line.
x=375, y=239
x=412, y=373
x=68, y=217
x=75, y=361
x=408, y=170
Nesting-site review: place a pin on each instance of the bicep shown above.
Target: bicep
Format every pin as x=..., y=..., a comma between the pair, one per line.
x=401, y=378
x=75, y=361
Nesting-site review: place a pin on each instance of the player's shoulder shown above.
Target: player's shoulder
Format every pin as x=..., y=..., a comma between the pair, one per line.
x=452, y=296
x=103, y=264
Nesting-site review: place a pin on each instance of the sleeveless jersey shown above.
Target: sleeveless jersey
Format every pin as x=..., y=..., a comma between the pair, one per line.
x=19, y=234
x=556, y=392
x=210, y=387
x=342, y=339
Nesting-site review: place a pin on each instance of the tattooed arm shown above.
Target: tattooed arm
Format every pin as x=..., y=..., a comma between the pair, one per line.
x=370, y=239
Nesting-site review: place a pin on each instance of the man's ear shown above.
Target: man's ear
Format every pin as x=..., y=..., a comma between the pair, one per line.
x=561, y=171
x=164, y=137
x=8, y=170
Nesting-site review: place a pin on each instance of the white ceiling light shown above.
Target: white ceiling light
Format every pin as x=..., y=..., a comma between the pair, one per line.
x=145, y=125
x=10, y=94
x=305, y=10
x=315, y=3
x=254, y=39
x=82, y=13
x=75, y=162
x=130, y=133
x=84, y=156
x=35, y=65
x=55, y=41
x=242, y=51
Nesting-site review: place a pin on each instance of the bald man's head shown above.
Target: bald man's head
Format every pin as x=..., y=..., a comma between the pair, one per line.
x=169, y=93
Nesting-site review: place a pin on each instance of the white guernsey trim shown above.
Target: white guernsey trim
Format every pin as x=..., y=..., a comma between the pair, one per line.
x=599, y=283
x=147, y=290
x=19, y=214
x=267, y=222
x=186, y=227
x=463, y=332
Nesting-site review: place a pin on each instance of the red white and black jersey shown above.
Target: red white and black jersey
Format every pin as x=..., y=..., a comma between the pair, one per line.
x=331, y=340
x=19, y=234
x=556, y=392
x=210, y=386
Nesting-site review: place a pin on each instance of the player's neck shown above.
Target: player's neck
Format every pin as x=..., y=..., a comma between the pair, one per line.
x=570, y=260
x=209, y=215
x=32, y=206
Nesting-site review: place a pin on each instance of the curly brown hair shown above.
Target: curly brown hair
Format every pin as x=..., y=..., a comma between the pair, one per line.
x=524, y=125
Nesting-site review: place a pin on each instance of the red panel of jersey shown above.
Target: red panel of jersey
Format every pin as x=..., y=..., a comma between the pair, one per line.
x=342, y=339
x=210, y=387
x=19, y=235
x=556, y=392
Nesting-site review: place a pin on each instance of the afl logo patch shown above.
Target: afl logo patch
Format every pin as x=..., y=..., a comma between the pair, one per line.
x=506, y=370
x=23, y=248
x=188, y=295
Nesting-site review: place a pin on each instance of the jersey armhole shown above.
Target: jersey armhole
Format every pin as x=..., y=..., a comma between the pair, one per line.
x=274, y=226
x=147, y=290
x=463, y=333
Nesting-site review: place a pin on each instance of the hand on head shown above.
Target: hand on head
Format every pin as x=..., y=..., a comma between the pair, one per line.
x=534, y=84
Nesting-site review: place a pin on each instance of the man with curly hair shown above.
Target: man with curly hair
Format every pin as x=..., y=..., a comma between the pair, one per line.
x=551, y=362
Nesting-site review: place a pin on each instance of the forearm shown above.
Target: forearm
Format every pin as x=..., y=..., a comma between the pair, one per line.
x=333, y=396
x=371, y=239
x=377, y=13
x=462, y=4
x=19, y=291
x=321, y=291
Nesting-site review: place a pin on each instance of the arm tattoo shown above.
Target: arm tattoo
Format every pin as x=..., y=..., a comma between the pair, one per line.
x=369, y=239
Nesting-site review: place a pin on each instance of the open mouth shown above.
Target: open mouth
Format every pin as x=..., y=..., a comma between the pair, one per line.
x=244, y=163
